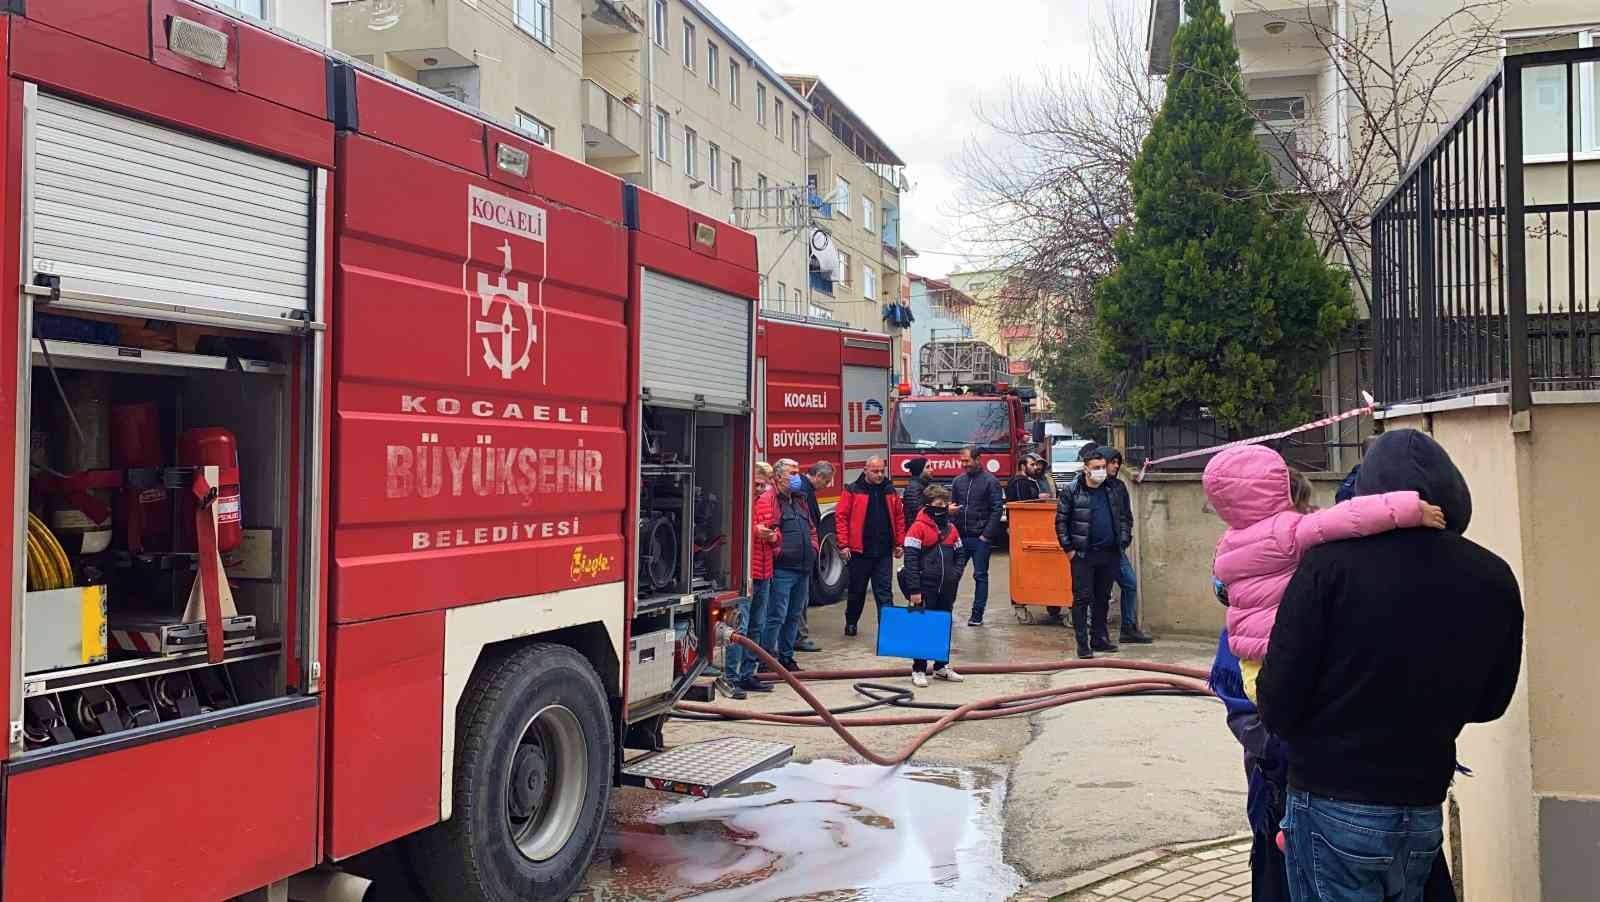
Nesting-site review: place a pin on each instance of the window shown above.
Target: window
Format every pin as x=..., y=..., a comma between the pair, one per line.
x=797, y=299
x=794, y=131
x=869, y=283
x=658, y=23
x=867, y=208
x=1545, y=103
x=713, y=65
x=783, y=293
x=733, y=82
x=535, y=129
x=248, y=7
x=761, y=105
x=846, y=278
x=735, y=175
x=761, y=194
x=841, y=196
x=691, y=48
x=1277, y=122
x=714, y=163
x=777, y=118
x=691, y=152
x=533, y=17
x=663, y=136
x=763, y=283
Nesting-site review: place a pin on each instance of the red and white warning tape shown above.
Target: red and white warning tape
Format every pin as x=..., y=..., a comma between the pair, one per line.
x=1363, y=410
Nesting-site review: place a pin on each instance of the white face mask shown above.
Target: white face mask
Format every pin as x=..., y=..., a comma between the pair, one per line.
x=1096, y=476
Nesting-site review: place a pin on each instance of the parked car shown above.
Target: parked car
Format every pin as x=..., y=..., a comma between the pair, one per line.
x=1064, y=462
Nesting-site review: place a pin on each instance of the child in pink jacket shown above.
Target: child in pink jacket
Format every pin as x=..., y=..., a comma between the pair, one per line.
x=1270, y=526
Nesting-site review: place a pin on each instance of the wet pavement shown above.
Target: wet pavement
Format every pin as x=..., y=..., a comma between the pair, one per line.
x=818, y=830
x=1040, y=798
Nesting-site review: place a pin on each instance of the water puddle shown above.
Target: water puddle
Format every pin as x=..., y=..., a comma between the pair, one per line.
x=821, y=831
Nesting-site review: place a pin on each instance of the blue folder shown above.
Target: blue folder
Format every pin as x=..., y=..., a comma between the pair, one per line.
x=907, y=633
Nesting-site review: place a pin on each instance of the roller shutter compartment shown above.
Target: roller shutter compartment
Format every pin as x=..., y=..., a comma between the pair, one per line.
x=695, y=345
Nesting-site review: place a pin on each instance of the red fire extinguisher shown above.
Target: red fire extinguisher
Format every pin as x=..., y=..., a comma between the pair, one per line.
x=143, y=518
x=213, y=446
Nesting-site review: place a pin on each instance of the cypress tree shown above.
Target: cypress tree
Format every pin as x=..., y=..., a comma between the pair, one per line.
x=1220, y=298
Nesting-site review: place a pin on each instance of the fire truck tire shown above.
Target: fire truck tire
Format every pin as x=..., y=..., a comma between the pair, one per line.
x=828, y=584
x=532, y=781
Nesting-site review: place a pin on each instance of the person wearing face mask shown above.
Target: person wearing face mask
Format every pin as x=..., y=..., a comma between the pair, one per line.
x=793, y=561
x=931, y=572
x=1094, y=531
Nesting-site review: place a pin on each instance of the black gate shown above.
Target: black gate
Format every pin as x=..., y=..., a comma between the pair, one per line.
x=1482, y=277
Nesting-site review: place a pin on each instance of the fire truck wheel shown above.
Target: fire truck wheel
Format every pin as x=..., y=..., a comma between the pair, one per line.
x=532, y=780
x=828, y=585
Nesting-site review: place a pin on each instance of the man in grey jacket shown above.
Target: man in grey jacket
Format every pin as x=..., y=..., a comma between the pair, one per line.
x=978, y=502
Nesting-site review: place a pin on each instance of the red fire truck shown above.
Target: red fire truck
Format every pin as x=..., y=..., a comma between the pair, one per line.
x=967, y=402
x=823, y=391
x=379, y=476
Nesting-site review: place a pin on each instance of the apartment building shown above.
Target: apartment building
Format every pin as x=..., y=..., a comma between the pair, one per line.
x=996, y=289
x=307, y=19
x=854, y=180
x=940, y=312
x=658, y=92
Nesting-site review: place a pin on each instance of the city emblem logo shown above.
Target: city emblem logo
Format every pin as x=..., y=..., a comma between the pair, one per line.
x=508, y=338
x=506, y=322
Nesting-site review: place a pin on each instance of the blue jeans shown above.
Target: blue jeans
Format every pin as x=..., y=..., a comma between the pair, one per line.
x=976, y=550
x=1345, y=852
x=786, y=604
x=741, y=664
x=1129, y=599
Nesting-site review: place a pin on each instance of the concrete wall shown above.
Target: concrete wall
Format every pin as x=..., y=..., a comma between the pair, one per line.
x=1175, y=537
x=1530, y=819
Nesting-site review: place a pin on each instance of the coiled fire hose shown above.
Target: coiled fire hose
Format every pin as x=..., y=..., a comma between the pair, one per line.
x=1157, y=678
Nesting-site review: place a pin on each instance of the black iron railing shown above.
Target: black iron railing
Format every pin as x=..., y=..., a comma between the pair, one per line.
x=1482, y=258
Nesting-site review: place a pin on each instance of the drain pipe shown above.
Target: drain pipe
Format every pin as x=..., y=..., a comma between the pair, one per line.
x=328, y=885
x=647, y=74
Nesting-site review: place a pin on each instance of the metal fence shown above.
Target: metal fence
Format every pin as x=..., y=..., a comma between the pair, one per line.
x=1482, y=254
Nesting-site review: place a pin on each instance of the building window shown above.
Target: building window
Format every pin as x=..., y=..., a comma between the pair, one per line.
x=867, y=209
x=762, y=280
x=1278, y=120
x=658, y=23
x=1545, y=103
x=691, y=47
x=713, y=65
x=691, y=152
x=777, y=118
x=761, y=105
x=663, y=136
x=869, y=283
x=794, y=131
x=782, y=294
x=735, y=176
x=533, y=17
x=761, y=194
x=797, y=299
x=847, y=277
x=841, y=196
x=248, y=7
x=733, y=82
x=714, y=163
x=535, y=129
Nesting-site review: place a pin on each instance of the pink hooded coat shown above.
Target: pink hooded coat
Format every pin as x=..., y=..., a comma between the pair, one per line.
x=1256, y=557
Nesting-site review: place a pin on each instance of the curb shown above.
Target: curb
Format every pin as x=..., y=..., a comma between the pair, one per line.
x=1052, y=889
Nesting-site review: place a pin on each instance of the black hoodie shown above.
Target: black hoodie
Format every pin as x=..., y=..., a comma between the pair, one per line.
x=1386, y=646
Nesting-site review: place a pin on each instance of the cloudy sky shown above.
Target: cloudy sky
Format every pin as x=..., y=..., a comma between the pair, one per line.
x=915, y=71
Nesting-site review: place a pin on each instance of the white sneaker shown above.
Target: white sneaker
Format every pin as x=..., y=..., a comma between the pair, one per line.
x=945, y=673
x=919, y=679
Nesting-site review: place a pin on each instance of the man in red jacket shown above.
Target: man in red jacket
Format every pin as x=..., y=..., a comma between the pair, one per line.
x=871, y=524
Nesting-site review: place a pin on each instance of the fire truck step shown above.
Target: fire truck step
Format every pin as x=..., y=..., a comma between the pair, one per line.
x=705, y=768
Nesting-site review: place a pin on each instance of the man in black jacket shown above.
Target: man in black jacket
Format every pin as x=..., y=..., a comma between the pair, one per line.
x=915, y=486
x=1384, y=648
x=978, y=503
x=1094, y=531
x=819, y=476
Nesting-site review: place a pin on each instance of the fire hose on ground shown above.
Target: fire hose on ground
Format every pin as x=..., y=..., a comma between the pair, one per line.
x=1160, y=679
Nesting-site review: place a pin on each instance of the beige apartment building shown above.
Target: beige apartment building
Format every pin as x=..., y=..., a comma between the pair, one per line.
x=306, y=19
x=1019, y=342
x=658, y=92
x=1527, y=825
x=854, y=181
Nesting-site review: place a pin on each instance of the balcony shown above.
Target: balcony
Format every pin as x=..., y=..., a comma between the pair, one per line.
x=612, y=129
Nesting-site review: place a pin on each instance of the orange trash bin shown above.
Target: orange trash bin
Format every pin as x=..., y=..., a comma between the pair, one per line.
x=1040, y=575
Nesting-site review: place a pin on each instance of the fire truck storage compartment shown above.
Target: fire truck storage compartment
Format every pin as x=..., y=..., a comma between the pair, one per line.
x=171, y=298
x=685, y=514
x=114, y=623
